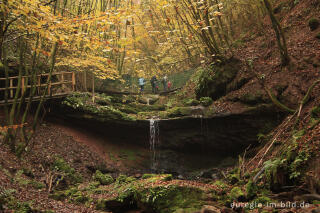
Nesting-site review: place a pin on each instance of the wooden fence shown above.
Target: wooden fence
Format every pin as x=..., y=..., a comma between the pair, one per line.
x=59, y=80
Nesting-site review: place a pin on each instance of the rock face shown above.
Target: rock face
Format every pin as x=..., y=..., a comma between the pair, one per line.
x=214, y=82
x=222, y=134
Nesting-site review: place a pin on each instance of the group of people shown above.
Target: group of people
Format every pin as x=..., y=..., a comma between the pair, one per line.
x=154, y=84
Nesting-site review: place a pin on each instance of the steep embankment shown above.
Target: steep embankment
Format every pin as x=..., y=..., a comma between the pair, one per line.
x=288, y=160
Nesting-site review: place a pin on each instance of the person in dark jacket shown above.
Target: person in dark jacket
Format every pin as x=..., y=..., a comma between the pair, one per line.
x=153, y=82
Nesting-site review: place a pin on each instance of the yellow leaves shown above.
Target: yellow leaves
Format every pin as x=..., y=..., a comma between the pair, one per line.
x=102, y=67
x=217, y=14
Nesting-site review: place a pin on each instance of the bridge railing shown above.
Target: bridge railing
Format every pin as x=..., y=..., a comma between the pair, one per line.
x=65, y=80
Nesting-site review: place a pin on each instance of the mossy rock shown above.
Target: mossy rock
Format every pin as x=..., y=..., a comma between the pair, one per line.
x=251, y=189
x=313, y=24
x=121, y=179
x=206, y=101
x=213, y=81
x=81, y=103
x=103, y=179
x=124, y=201
x=233, y=178
x=163, y=114
x=190, y=102
x=179, y=111
x=167, y=199
x=128, y=109
x=236, y=193
x=147, y=108
x=70, y=176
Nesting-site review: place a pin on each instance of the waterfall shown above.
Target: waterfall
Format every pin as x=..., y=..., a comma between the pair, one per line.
x=148, y=101
x=154, y=142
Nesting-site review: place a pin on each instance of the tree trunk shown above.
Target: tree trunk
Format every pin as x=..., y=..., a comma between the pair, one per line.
x=282, y=45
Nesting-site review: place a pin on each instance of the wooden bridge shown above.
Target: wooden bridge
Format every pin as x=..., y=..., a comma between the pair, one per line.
x=61, y=84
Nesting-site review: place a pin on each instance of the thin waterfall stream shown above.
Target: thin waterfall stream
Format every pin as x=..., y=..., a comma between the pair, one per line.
x=154, y=142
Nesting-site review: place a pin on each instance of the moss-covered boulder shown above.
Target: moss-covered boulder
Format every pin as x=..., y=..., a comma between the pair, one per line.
x=152, y=193
x=179, y=111
x=236, y=193
x=313, y=24
x=104, y=179
x=206, y=101
x=172, y=198
x=81, y=105
x=68, y=174
x=190, y=102
x=213, y=81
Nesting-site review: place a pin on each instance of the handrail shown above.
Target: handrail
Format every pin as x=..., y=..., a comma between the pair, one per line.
x=38, y=75
x=24, y=83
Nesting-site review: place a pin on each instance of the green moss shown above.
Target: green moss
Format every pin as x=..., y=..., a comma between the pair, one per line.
x=318, y=36
x=179, y=111
x=190, y=102
x=146, y=176
x=263, y=200
x=82, y=102
x=72, y=194
x=156, y=177
x=313, y=23
x=167, y=199
x=58, y=195
x=128, y=109
x=163, y=114
x=69, y=173
x=146, y=108
x=104, y=179
x=206, y=101
x=251, y=189
x=233, y=178
x=123, y=179
x=213, y=81
x=235, y=193
x=221, y=185
x=315, y=112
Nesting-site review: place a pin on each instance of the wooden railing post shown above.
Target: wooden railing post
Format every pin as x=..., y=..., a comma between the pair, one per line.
x=39, y=83
x=22, y=85
x=73, y=82
x=11, y=89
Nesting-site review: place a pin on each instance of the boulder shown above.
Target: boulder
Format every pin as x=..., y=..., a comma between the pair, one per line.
x=213, y=82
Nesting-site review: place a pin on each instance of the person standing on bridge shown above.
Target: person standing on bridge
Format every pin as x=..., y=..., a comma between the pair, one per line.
x=164, y=83
x=153, y=82
x=169, y=85
x=141, y=84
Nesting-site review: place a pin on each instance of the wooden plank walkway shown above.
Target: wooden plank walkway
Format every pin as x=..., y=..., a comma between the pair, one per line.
x=64, y=79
